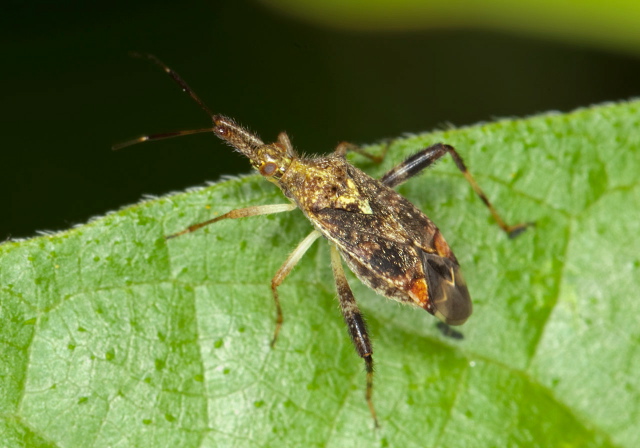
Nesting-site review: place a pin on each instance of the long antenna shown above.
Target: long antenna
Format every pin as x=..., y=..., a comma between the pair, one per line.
x=225, y=128
x=181, y=82
x=185, y=88
x=164, y=135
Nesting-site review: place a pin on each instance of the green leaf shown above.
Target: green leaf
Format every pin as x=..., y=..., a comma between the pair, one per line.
x=612, y=24
x=112, y=336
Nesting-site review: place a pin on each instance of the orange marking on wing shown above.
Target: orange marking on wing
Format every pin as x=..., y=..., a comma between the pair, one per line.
x=441, y=245
x=419, y=292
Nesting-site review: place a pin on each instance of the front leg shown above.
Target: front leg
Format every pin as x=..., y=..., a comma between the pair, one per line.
x=256, y=210
x=355, y=324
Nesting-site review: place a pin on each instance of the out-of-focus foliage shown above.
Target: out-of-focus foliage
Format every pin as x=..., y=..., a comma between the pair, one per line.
x=613, y=24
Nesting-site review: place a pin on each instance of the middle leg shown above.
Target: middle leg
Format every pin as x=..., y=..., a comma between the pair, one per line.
x=282, y=273
x=344, y=147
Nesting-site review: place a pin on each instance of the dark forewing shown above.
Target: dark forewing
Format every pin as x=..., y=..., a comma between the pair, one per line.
x=393, y=224
x=396, y=249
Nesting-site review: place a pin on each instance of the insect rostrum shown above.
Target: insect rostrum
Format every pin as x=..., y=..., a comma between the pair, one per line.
x=387, y=242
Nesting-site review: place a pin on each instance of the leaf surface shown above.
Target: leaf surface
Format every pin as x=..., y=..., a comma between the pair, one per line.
x=112, y=336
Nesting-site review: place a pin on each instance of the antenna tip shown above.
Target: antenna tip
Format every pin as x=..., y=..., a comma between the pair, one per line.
x=130, y=142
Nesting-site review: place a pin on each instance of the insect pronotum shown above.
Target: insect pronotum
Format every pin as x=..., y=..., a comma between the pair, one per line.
x=387, y=242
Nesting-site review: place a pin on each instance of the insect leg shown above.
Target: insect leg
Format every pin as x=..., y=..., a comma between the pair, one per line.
x=238, y=213
x=355, y=324
x=416, y=163
x=421, y=160
x=344, y=147
x=282, y=273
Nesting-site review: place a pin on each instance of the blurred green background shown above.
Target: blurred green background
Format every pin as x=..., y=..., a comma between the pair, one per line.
x=70, y=91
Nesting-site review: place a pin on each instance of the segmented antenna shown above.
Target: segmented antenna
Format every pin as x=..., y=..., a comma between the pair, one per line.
x=164, y=135
x=185, y=88
x=181, y=82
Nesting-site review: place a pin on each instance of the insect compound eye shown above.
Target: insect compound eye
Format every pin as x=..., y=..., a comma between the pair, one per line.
x=221, y=130
x=268, y=169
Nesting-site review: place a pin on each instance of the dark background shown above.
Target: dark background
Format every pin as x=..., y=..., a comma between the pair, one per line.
x=69, y=91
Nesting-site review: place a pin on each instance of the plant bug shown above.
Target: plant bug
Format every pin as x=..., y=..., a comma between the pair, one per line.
x=388, y=243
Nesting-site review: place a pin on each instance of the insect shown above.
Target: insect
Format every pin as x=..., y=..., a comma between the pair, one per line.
x=387, y=242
